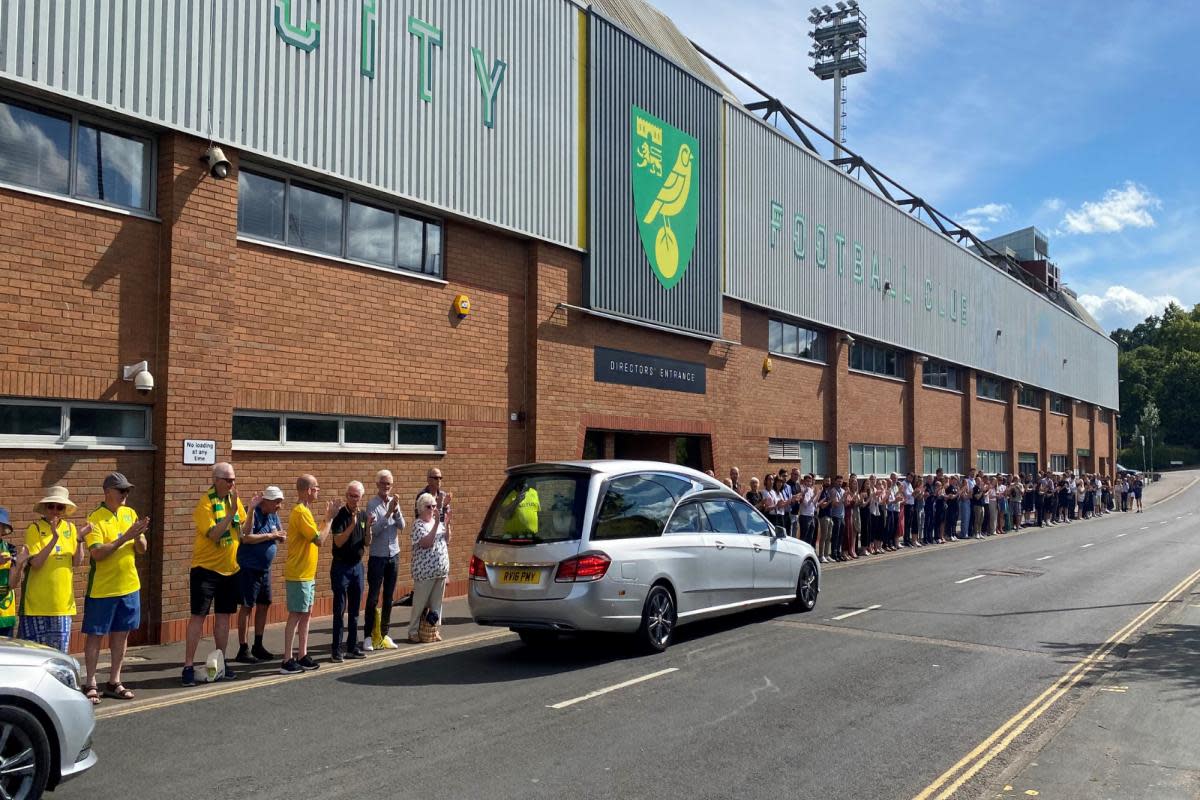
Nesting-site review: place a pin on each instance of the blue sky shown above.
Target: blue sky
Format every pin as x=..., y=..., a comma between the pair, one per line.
x=1082, y=118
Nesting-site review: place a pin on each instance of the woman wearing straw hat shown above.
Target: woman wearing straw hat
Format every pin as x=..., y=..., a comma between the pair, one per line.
x=48, y=593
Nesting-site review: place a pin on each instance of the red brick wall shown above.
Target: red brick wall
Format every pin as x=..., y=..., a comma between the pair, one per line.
x=941, y=419
x=1056, y=435
x=1027, y=430
x=991, y=425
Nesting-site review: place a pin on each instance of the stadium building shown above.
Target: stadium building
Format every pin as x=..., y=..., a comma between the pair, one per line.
x=467, y=234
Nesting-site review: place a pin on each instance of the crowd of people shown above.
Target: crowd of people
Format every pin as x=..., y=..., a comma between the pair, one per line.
x=846, y=519
x=235, y=548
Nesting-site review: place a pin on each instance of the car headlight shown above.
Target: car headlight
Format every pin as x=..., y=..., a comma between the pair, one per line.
x=65, y=672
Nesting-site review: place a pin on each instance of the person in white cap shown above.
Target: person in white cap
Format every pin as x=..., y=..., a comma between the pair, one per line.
x=112, y=607
x=48, y=595
x=254, y=557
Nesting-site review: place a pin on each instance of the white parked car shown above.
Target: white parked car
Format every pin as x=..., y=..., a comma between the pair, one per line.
x=631, y=547
x=46, y=724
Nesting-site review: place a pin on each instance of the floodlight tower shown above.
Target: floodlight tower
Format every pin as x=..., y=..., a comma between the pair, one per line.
x=837, y=52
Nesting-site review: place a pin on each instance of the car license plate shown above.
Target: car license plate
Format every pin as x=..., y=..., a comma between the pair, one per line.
x=527, y=576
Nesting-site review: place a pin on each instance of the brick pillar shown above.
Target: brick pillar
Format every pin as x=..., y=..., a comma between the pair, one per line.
x=1094, y=419
x=1072, y=448
x=912, y=431
x=1112, y=444
x=839, y=446
x=1045, y=429
x=555, y=277
x=197, y=318
x=970, y=450
x=1010, y=436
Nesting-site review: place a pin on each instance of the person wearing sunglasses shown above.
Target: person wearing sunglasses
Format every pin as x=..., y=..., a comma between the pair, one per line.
x=112, y=607
x=48, y=595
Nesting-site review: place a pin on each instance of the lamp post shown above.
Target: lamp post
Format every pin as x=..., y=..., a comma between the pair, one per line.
x=837, y=53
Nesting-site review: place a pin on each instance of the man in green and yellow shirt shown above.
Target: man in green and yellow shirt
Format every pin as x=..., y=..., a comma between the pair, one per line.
x=218, y=516
x=12, y=565
x=112, y=607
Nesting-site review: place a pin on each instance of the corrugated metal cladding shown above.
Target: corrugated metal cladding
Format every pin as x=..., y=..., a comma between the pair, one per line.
x=221, y=68
x=624, y=73
x=944, y=302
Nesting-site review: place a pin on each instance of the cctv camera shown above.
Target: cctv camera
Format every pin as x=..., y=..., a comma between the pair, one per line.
x=143, y=382
x=218, y=164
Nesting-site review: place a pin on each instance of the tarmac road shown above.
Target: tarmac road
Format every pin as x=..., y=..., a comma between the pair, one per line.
x=951, y=645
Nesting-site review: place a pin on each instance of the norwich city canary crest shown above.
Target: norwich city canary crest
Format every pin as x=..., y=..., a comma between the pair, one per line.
x=664, y=198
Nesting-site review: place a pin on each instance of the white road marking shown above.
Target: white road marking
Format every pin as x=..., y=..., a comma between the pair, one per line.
x=1180, y=517
x=1164, y=522
x=1089, y=544
x=1043, y=558
x=1119, y=535
x=613, y=688
x=972, y=578
x=849, y=614
x=1145, y=528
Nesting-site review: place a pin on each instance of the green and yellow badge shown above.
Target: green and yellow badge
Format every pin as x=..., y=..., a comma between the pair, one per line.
x=664, y=160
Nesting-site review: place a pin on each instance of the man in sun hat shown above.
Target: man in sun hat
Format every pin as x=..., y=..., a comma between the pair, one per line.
x=112, y=607
x=254, y=557
x=12, y=566
x=48, y=594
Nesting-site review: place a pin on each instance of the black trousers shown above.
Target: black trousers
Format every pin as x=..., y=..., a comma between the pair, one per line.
x=910, y=524
x=837, y=536
x=808, y=529
x=381, y=574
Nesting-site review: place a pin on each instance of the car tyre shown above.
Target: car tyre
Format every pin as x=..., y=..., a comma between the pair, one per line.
x=658, y=620
x=25, y=755
x=537, y=638
x=807, y=587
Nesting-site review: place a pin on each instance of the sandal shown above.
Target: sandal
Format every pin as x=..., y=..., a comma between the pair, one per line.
x=93, y=694
x=117, y=691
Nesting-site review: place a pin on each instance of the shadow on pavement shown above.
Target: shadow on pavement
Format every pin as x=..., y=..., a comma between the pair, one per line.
x=1169, y=654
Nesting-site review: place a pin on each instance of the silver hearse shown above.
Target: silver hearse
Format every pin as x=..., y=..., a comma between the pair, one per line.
x=633, y=547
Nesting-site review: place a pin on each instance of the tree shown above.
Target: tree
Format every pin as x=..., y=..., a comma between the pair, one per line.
x=1180, y=382
x=1149, y=423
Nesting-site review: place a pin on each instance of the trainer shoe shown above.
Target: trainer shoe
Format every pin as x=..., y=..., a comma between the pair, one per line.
x=262, y=653
x=387, y=644
x=307, y=664
x=291, y=667
x=229, y=673
x=367, y=645
x=355, y=653
x=336, y=657
x=189, y=676
x=244, y=657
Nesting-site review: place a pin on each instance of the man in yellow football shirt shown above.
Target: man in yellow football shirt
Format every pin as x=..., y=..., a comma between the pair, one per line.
x=112, y=606
x=218, y=516
x=48, y=592
x=300, y=571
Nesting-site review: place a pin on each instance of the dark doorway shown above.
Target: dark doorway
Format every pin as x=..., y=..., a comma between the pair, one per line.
x=688, y=451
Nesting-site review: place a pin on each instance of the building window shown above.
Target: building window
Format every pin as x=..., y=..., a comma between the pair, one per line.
x=1058, y=463
x=53, y=424
x=63, y=153
x=259, y=430
x=809, y=455
x=1058, y=404
x=877, y=359
x=1105, y=416
x=947, y=459
x=322, y=219
x=992, y=462
x=1027, y=463
x=875, y=459
x=942, y=375
x=988, y=387
x=792, y=340
x=1029, y=397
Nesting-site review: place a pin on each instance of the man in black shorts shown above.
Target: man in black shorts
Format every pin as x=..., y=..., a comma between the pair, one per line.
x=218, y=516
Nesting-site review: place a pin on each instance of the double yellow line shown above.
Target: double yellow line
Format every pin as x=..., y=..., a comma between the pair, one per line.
x=970, y=764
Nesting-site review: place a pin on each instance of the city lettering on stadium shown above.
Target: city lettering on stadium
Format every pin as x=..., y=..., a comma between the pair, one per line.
x=840, y=253
x=305, y=35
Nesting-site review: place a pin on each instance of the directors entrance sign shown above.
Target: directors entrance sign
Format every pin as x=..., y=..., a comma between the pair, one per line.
x=652, y=372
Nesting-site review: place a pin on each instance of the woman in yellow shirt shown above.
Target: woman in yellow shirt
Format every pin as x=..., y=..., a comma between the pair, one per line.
x=48, y=591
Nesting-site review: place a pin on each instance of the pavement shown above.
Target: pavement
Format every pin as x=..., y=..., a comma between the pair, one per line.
x=956, y=670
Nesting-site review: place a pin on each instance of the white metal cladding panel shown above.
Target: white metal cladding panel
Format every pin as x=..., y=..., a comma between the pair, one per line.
x=218, y=68
x=624, y=72
x=925, y=268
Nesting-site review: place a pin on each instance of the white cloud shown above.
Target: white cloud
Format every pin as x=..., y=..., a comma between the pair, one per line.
x=1127, y=207
x=980, y=219
x=1122, y=307
x=1052, y=204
